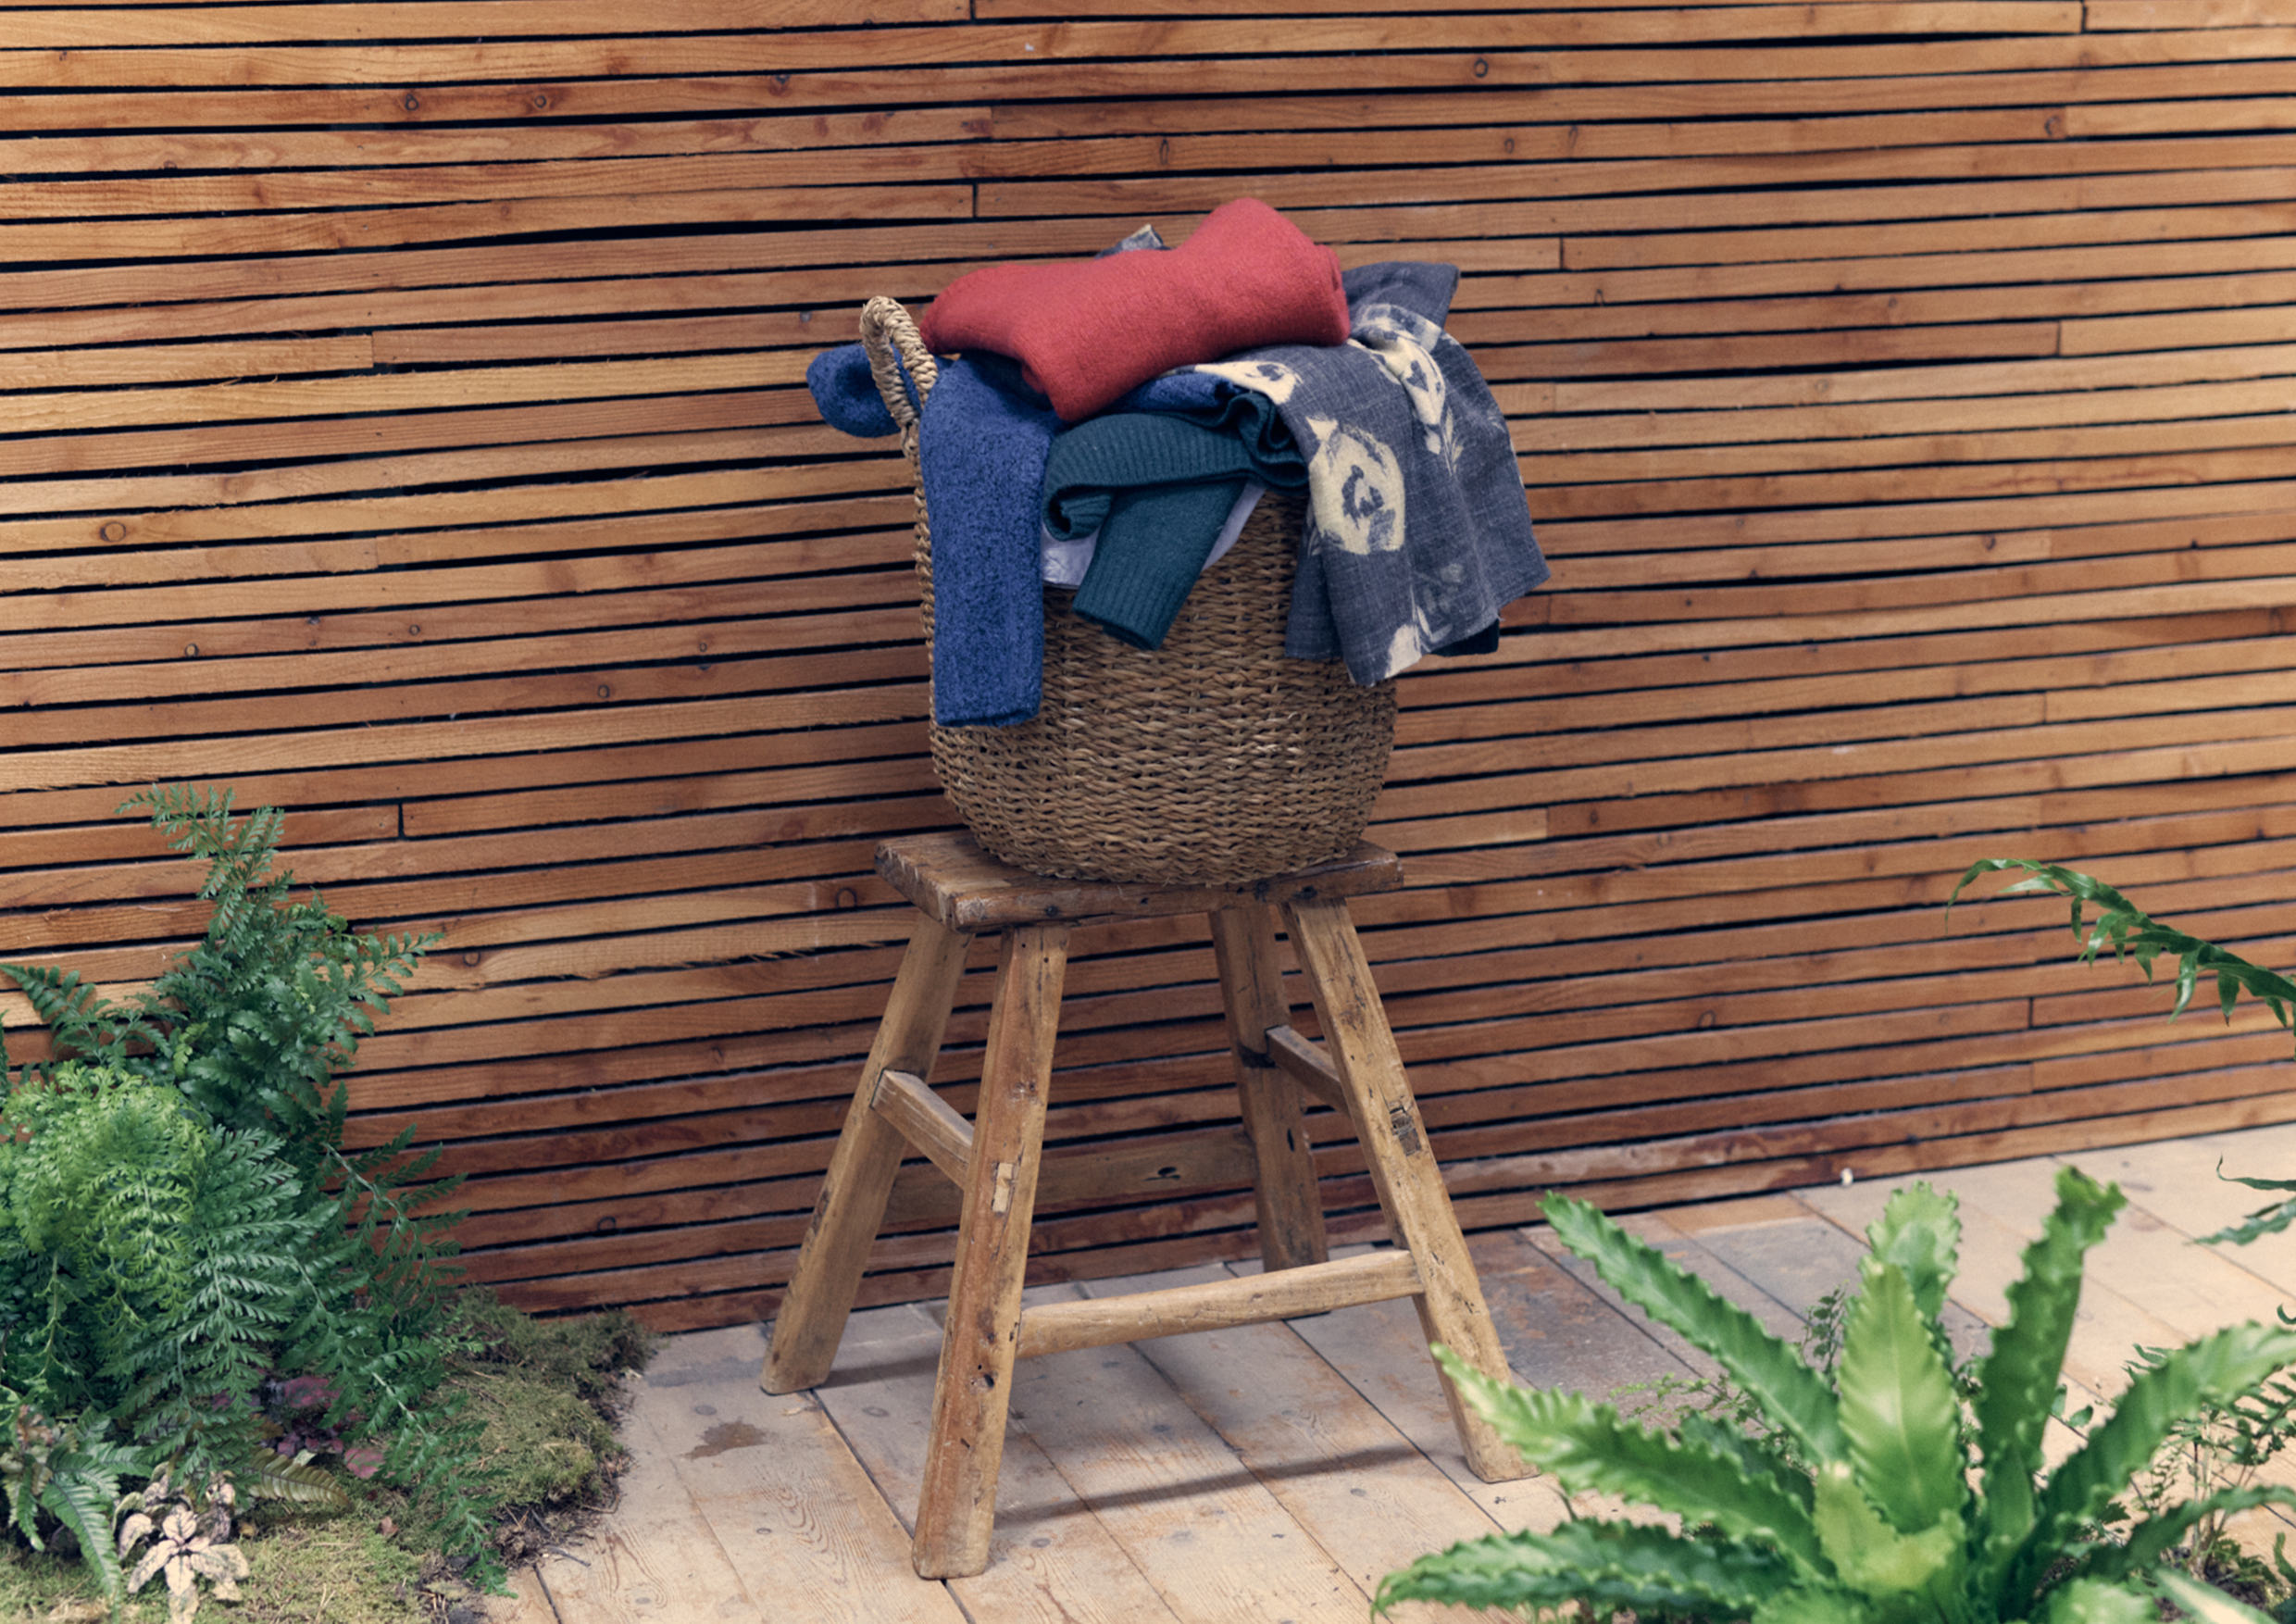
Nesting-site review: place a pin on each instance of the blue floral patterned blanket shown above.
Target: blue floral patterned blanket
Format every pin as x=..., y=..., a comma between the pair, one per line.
x=1419, y=532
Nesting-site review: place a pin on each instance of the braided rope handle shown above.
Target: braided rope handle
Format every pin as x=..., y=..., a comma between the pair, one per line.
x=889, y=334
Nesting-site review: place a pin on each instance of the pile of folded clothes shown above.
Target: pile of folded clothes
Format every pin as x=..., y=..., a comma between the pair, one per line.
x=1111, y=422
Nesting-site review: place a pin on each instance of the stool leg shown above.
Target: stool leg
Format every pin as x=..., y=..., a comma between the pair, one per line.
x=972, y=1395
x=1290, y=1206
x=1452, y=1310
x=852, y=1203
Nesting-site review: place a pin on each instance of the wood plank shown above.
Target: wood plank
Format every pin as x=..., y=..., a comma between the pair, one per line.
x=975, y=1386
x=1251, y=994
x=393, y=65
x=652, y=1548
x=772, y=1486
x=320, y=229
x=1051, y=1559
x=951, y=878
x=463, y=386
x=1222, y=1304
x=1271, y=1446
x=1214, y=1542
x=2193, y=1290
x=110, y=28
x=1306, y=1433
x=2109, y=1326
x=2136, y=13
x=447, y=186
x=1410, y=1186
x=1584, y=431
x=370, y=149
x=902, y=1100
x=1805, y=653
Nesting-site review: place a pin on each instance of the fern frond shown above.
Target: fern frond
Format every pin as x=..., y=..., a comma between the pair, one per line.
x=2133, y=934
x=81, y=1492
x=274, y=1476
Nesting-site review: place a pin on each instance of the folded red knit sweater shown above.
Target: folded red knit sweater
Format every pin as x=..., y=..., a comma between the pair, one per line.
x=1086, y=330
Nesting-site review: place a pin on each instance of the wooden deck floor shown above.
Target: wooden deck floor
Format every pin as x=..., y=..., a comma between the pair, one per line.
x=1276, y=1473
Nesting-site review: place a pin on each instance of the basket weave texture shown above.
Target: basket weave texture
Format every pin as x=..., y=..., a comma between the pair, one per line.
x=1211, y=760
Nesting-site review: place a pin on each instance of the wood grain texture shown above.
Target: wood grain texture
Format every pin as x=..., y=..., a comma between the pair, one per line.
x=974, y=1388
x=1290, y=1207
x=1221, y=1303
x=852, y=1201
x=1402, y=1166
x=1262, y=1462
x=406, y=426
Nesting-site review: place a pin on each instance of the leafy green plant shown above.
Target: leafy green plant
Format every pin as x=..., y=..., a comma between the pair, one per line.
x=547, y=1391
x=2132, y=934
x=1892, y=1499
x=254, y=1025
x=2265, y=1220
x=71, y=1472
x=1662, y=1402
x=181, y=1226
x=151, y=1263
x=187, y=1543
x=2220, y=1447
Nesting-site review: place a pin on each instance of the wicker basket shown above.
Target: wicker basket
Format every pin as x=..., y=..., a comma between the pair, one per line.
x=1213, y=759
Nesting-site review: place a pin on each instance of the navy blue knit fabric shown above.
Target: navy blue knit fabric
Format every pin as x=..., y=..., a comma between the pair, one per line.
x=981, y=456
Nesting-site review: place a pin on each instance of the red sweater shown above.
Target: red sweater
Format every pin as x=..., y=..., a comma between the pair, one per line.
x=1086, y=330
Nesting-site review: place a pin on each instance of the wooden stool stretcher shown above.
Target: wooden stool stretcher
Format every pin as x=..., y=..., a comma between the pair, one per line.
x=960, y=893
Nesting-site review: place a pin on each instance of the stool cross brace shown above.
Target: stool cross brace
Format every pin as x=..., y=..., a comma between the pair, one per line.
x=995, y=1159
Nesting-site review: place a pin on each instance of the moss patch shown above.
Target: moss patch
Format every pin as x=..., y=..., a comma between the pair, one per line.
x=548, y=1391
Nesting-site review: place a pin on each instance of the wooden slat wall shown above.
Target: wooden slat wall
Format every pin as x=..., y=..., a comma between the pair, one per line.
x=402, y=422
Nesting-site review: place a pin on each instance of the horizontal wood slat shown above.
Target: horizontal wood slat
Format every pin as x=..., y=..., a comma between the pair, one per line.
x=405, y=423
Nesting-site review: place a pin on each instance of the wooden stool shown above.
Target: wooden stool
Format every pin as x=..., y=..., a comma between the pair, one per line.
x=961, y=893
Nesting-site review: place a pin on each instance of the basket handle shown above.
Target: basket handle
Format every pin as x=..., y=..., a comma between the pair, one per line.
x=889, y=334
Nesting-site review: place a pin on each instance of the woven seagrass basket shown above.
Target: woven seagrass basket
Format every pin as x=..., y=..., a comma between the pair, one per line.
x=1211, y=760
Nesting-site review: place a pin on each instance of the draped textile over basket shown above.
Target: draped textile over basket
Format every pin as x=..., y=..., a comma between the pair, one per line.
x=1213, y=759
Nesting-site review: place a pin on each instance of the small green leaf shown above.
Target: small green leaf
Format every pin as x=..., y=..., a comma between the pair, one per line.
x=2265, y=1220
x=1899, y=1411
x=1814, y=1606
x=2213, y=1369
x=1920, y=1232
x=272, y=1477
x=2156, y=1536
x=2132, y=934
x=2019, y=1380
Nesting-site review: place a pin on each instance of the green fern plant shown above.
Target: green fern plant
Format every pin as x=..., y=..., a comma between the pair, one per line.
x=72, y=1472
x=1877, y=1513
x=179, y=1218
x=2132, y=934
x=256, y=1022
x=154, y=1260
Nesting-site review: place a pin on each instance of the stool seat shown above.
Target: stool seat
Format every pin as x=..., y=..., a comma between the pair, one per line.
x=961, y=892
x=950, y=878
